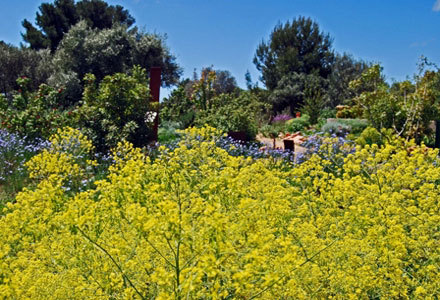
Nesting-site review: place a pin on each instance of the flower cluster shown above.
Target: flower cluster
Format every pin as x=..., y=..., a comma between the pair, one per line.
x=232, y=146
x=252, y=149
x=14, y=152
x=199, y=223
x=281, y=118
x=68, y=160
x=332, y=149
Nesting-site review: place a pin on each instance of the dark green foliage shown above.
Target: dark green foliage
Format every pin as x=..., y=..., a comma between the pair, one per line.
x=34, y=37
x=55, y=20
x=327, y=113
x=229, y=113
x=300, y=69
x=315, y=98
x=178, y=107
x=34, y=114
x=298, y=124
x=98, y=14
x=18, y=62
x=292, y=91
x=299, y=91
x=298, y=47
x=105, y=52
x=344, y=70
x=117, y=109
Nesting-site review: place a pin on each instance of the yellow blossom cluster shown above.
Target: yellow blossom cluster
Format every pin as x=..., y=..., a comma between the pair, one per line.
x=197, y=223
x=68, y=160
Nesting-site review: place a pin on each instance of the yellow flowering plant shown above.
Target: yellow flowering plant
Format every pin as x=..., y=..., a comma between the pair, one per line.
x=67, y=159
x=197, y=223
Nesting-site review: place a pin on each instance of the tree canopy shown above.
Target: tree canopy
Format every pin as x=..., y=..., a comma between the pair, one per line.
x=299, y=67
x=298, y=46
x=105, y=52
x=54, y=20
x=18, y=62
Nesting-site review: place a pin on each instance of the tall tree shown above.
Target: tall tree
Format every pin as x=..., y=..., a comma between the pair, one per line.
x=345, y=69
x=17, y=62
x=55, y=20
x=298, y=46
x=104, y=52
x=294, y=89
x=219, y=81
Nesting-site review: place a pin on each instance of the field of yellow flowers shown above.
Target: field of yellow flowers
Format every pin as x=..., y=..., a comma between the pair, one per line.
x=198, y=223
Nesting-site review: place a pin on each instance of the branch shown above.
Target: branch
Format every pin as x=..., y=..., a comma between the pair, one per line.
x=113, y=260
x=299, y=266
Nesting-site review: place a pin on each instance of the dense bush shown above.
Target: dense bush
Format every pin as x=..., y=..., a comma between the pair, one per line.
x=167, y=131
x=178, y=107
x=229, y=113
x=198, y=223
x=354, y=126
x=16, y=62
x=117, y=108
x=405, y=107
x=105, y=52
x=298, y=124
x=34, y=114
x=371, y=136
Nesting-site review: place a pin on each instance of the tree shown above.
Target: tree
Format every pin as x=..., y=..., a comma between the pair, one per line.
x=293, y=89
x=18, y=62
x=405, y=107
x=222, y=81
x=104, y=52
x=197, y=94
x=294, y=47
x=178, y=107
x=345, y=69
x=98, y=14
x=115, y=109
x=55, y=20
x=232, y=113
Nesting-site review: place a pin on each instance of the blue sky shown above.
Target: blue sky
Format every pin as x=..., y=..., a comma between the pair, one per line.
x=225, y=33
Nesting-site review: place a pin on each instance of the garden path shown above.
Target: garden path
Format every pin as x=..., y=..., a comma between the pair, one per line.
x=279, y=143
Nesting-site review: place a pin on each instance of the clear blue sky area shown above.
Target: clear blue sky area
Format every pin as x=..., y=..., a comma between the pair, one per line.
x=225, y=33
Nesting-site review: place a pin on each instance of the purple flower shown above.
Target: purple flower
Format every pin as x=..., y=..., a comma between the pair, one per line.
x=15, y=151
x=281, y=118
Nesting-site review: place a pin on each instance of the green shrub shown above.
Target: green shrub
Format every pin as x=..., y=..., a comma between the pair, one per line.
x=230, y=113
x=354, y=126
x=372, y=136
x=327, y=113
x=298, y=124
x=406, y=107
x=34, y=114
x=167, y=131
x=117, y=109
